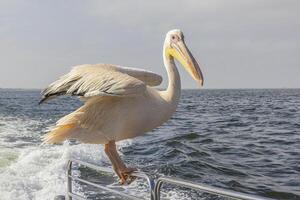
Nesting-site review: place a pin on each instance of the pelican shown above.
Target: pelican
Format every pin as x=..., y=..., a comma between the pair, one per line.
x=120, y=102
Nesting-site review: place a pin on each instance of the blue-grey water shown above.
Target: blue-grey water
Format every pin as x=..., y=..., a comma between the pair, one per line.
x=243, y=140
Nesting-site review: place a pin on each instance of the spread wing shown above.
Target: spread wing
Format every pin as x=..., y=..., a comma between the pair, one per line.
x=148, y=77
x=101, y=80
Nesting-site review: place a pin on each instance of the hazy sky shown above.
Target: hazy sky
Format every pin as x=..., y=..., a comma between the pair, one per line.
x=241, y=43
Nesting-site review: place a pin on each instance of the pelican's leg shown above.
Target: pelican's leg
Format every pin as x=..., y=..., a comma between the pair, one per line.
x=119, y=167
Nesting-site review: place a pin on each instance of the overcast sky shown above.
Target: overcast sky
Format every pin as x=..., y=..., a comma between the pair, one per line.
x=241, y=43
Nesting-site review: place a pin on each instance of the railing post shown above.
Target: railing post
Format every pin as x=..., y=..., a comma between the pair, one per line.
x=157, y=189
x=151, y=184
x=69, y=180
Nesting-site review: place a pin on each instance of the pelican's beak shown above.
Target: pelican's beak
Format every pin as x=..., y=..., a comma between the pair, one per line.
x=180, y=51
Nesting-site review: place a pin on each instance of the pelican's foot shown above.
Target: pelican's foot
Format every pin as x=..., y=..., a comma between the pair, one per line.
x=125, y=175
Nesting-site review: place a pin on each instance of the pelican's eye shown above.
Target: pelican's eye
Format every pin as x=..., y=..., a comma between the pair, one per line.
x=173, y=37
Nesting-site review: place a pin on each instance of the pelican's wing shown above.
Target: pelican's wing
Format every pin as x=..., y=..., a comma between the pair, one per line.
x=100, y=80
x=148, y=77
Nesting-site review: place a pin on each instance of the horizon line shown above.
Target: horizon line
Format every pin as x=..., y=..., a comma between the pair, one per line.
x=200, y=88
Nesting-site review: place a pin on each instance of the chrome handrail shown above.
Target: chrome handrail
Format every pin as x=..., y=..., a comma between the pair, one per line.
x=70, y=177
x=204, y=188
x=155, y=185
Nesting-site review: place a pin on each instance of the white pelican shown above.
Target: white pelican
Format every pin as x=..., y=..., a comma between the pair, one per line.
x=119, y=101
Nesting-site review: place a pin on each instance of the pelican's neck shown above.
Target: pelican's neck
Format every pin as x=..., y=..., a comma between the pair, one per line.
x=172, y=94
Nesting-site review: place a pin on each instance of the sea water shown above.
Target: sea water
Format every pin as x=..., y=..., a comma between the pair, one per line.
x=243, y=140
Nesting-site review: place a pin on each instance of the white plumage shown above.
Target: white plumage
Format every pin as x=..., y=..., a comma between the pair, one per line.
x=119, y=101
x=102, y=80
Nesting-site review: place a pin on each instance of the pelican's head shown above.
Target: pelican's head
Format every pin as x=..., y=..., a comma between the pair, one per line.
x=175, y=47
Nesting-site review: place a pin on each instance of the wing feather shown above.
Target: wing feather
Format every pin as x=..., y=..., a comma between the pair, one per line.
x=95, y=80
x=148, y=77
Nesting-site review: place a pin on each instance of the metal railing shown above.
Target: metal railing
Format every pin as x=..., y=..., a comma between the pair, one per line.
x=155, y=185
x=70, y=178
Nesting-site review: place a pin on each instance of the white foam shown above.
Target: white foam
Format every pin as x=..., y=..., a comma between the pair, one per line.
x=36, y=174
x=17, y=128
x=30, y=171
x=39, y=172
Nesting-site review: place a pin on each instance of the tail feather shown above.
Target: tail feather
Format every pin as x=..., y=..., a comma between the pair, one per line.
x=58, y=134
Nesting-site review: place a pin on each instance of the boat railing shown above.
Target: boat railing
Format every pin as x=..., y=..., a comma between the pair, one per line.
x=154, y=184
